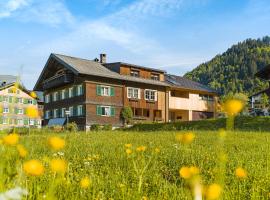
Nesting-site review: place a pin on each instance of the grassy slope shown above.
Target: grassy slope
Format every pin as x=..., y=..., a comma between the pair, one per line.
x=102, y=156
x=241, y=123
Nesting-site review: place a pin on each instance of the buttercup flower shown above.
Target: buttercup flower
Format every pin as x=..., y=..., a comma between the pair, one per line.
x=128, y=151
x=141, y=148
x=241, y=173
x=213, y=191
x=233, y=107
x=11, y=139
x=22, y=151
x=189, y=172
x=128, y=145
x=58, y=165
x=85, y=182
x=56, y=143
x=185, y=138
x=32, y=112
x=33, y=168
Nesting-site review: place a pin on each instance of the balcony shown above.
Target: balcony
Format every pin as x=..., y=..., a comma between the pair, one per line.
x=58, y=80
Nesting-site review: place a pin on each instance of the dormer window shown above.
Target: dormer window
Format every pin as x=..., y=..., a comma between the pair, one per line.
x=135, y=73
x=155, y=77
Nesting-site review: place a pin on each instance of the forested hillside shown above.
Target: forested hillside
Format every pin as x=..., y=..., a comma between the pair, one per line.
x=233, y=71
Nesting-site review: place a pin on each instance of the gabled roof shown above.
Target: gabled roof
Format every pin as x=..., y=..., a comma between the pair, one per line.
x=184, y=83
x=90, y=67
x=7, y=79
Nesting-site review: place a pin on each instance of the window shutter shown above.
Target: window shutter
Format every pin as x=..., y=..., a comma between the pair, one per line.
x=98, y=90
x=25, y=121
x=16, y=121
x=82, y=89
x=34, y=102
x=25, y=101
x=156, y=96
x=16, y=100
x=10, y=99
x=112, y=111
x=139, y=94
x=112, y=91
x=16, y=110
x=74, y=91
x=1, y=98
x=99, y=110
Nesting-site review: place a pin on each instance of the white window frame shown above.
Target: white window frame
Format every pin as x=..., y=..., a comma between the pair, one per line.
x=79, y=90
x=108, y=114
x=47, y=98
x=5, y=110
x=6, y=99
x=132, y=95
x=20, y=111
x=70, y=92
x=79, y=110
x=5, y=120
x=71, y=111
x=150, y=99
x=55, y=111
x=63, y=112
x=155, y=77
x=31, y=122
x=63, y=95
x=103, y=89
x=55, y=96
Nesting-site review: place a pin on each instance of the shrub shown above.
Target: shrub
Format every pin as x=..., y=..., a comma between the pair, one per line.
x=72, y=127
x=107, y=127
x=127, y=114
x=95, y=127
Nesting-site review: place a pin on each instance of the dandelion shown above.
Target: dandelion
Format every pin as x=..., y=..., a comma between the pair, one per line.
x=141, y=148
x=32, y=112
x=22, y=151
x=233, y=106
x=85, y=182
x=128, y=151
x=213, y=191
x=11, y=139
x=58, y=165
x=241, y=173
x=128, y=145
x=56, y=143
x=189, y=172
x=185, y=138
x=33, y=168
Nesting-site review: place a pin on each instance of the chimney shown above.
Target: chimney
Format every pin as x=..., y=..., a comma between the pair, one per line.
x=103, y=58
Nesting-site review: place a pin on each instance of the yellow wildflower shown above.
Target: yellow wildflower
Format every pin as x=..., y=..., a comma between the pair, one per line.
x=194, y=170
x=128, y=145
x=11, y=139
x=128, y=151
x=233, y=107
x=189, y=172
x=58, y=165
x=22, y=151
x=185, y=138
x=1, y=141
x=141, y=148
x=33, y=168
x=241, y=173
x=33, y=94
x=213, y=191
x=56, y=143
x=85, y=182
x=32, y=112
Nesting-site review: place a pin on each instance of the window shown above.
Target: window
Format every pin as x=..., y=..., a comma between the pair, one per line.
x=31, y=122
x=5, y=120
x=5, y=99
x=150, y=95
x=63, y=112
x=63, y=94
x=55, y=113
x=80, y=110
x=155, y=77
x=206, y=97
x=105, y=111
x=20, y=100
x=55, y=96
x=20, y=122
x=6, y=110
x=47, y=98
x=70, y=92
x=47, y=114
x=71, y=111
x=133, y=93
x=134, y=73
x=20, y=111
x=79, y=90
x=105, y=90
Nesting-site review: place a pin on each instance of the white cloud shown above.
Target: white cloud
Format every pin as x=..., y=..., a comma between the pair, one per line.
x=49, y=12
x=8, y=7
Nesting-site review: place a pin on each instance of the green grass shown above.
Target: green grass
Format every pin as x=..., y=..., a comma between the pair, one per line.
x=102, y=157
x=242, y=123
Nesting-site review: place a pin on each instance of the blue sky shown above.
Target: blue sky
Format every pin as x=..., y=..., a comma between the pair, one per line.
x=175, y=35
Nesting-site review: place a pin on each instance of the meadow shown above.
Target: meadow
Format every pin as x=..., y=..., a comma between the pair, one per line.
x=137, y=165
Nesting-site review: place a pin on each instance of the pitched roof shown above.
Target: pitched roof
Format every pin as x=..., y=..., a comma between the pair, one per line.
x=90, y=67
x=7, y=79
x=181, y=82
